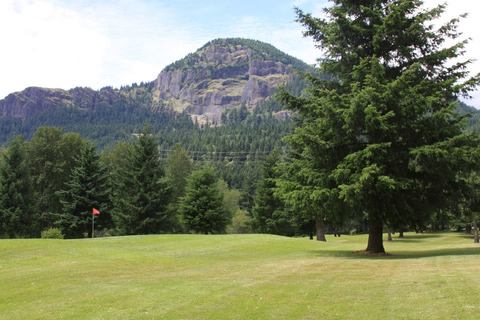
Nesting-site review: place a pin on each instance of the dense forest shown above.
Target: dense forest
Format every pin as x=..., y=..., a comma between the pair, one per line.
x=53, y=178
x=235, y=152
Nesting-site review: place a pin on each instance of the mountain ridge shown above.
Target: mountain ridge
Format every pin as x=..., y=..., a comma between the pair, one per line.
x=222, y=74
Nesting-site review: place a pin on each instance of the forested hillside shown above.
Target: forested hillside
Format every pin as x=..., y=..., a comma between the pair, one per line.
x=218, y=98
x=220, y=77
x=473, y=116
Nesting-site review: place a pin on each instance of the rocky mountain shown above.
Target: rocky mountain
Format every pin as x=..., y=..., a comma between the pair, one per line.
x=34, y=100
x=223, y=74
x=223, y=80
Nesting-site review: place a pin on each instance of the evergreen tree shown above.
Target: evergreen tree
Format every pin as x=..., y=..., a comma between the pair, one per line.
x=202, y=206
x=142, y=201
x=231, y=197
x=469, y=206
x=269, y=214
x=382, y=137
x=117, y=160
x=178, y=168
x=16, y=203
x=249, y=175
x=52, y=155
x=87, y=188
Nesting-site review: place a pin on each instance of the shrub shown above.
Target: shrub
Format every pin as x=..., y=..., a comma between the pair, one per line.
x=241, y=223
x=52, y=233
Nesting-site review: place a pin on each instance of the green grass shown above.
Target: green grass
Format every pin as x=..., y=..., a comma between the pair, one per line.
x=431, y=276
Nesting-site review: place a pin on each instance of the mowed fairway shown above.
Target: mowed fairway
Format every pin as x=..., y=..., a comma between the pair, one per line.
x=430, y=276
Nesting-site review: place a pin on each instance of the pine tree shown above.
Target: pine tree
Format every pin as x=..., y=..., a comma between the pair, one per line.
x=202, y=206
x=269, y=214
x=178, y=168
x=87, y=188
x=142, y=201
x=16, y=203
x=381, y=137
x=52, y=156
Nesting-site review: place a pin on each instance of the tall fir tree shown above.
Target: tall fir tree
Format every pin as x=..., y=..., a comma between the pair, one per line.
x=142, y=201
x=16, y=202
x=87, y=188
x=469, y=206
x=178, y=168
x=52, y=155
x=381, y=136
x=269, y=214
x=202, y=207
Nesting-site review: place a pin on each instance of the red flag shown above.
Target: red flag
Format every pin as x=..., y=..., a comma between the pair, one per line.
x=95, y=212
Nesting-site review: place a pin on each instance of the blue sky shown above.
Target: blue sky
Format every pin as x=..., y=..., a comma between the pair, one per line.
x=63, y=44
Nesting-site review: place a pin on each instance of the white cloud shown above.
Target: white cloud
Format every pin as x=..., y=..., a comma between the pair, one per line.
x=286, y=37
x=298, y=3
x=469, y=28
x=46, y=45
x=143, y=42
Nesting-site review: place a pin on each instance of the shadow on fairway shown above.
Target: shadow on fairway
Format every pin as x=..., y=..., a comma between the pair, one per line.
x=466, y=236
x=415, y=238
x=420, y=236
x=399, y=254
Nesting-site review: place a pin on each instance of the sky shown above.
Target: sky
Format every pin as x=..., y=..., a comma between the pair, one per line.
x=97, y=43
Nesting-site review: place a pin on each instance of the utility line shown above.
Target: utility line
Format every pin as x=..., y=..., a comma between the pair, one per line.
x=218, y=152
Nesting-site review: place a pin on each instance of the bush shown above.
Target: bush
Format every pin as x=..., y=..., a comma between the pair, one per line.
x=52, y=233
x=241, y=223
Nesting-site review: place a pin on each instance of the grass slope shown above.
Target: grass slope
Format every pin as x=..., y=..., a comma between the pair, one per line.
x=431, y=276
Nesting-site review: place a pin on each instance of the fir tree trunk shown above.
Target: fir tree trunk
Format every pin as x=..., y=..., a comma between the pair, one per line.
x=468, y=229
x=320, y=229
x=375, y=236
x=476, y=237
x=389, y=236
x=400, y=234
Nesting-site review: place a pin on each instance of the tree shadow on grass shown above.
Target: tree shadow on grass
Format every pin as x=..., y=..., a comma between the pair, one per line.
x=466, y=236
x=412, y=240
x=401, y=254
x=420, y=236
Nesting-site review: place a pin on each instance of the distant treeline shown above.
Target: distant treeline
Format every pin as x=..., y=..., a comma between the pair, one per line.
x=55, y=179
x=41, y=177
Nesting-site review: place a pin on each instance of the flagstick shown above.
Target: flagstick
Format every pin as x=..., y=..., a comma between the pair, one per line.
x=93, y=225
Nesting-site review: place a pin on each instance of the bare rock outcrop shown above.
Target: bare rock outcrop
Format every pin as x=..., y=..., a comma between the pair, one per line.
x=224, y=73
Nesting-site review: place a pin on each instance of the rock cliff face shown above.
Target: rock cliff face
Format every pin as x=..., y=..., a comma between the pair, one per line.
x=34, y=101
x=224, y=73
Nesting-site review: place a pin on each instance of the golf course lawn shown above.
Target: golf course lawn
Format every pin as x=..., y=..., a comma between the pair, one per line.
x=429, y=276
